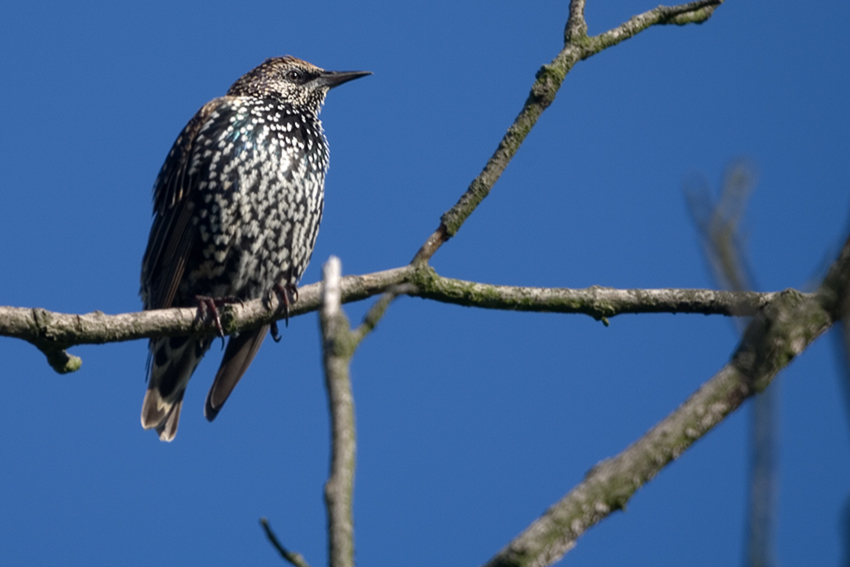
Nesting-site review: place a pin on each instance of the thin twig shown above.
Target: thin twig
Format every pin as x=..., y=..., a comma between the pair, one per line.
x=295, y=558
x=377, y=311
x=546, y=85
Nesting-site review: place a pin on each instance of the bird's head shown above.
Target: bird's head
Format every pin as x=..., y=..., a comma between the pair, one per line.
x=293, y=81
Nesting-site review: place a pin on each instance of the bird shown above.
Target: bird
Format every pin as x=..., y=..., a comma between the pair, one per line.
x=236, y=210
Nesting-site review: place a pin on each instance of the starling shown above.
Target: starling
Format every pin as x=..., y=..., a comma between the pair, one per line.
x=237, y=206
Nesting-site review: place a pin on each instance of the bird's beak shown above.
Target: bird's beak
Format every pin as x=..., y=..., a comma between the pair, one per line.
x=331, y=79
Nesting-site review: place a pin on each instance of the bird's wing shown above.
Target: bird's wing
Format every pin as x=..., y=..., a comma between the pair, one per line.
x=172, y=235
x=172, y=249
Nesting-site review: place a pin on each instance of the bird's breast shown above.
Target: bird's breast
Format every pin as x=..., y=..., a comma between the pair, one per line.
x=260, y=198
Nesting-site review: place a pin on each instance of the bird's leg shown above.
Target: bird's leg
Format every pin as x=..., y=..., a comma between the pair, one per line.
x=288, y=294
x=212, y=304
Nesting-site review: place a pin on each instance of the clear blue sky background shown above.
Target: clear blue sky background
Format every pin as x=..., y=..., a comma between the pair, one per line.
x=471, y=422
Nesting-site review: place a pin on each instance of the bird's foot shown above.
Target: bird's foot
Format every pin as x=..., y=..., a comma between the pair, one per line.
x=212, y=304
x=288, y=294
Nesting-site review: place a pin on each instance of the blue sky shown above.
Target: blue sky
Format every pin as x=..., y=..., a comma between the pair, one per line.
x=470, y=422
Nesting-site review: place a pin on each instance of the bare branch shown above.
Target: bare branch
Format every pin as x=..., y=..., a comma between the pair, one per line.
x=295, y=558
x=53, y=332
x=775, y=337
x=576, y=28
x=598, y=302
x=432, y=244
x=690, y=13
x=548, y=80
x=338, y=347
x=377, y=311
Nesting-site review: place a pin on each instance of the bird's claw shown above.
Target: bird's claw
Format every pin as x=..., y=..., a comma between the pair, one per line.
x=288, y=294
x=212, y=304
x=275, y=332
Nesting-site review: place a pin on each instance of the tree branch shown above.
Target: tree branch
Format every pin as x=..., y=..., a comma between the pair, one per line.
x=377, y=311
x=690, y=13
x=576, y=28
x=597, y=302
x=337, y=348
x=777, y=334
x=548, y=80
x=295, y=558
x=53, y=332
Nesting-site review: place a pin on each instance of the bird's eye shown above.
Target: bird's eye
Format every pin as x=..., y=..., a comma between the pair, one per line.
x=294, y=75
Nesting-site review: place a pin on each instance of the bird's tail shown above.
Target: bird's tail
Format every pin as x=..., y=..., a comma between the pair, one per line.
x=241, y=350
x=172, y=361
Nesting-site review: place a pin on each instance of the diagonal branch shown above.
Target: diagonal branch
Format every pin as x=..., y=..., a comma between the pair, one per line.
x=778, y=334
x=548, y=80
x=294, y=558
x=377, y=311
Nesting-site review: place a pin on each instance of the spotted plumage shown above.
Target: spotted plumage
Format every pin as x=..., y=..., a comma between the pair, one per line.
x=237, y=207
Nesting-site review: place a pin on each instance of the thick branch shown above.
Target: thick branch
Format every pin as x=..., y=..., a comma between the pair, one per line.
x=576, y=28
x=548, y=80
x=778, y=334
x=53, y=332
x=787, y=327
